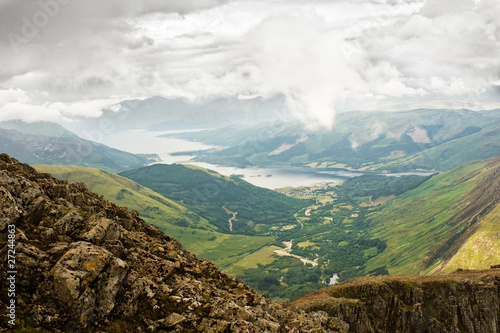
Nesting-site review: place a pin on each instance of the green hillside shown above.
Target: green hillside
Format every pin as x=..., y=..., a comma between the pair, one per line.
x=229, y=203
x=482, y=249
x=193, y=231
x=426, y=226
x=483, y=144
x=50, y=143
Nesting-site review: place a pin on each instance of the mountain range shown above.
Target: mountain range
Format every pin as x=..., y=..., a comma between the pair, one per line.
x=378, y=141
x=161, y=114
x=50, y=143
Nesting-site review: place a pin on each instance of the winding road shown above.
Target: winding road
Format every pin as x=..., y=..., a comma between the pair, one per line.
x=231, y=219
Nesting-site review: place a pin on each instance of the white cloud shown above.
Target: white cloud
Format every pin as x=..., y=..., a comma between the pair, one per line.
x=19, y=104
x=321, y=55
x=302, y=59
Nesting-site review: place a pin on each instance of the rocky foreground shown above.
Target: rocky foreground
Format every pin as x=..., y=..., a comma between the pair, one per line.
x=83, y=264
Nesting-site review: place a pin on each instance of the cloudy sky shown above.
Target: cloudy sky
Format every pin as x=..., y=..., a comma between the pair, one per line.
x=61, y=58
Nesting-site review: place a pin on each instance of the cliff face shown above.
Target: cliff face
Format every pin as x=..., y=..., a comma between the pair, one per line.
x=465, y=301
x=86, y=265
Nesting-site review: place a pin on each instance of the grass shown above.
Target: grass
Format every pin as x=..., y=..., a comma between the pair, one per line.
x=482, y=249
x=379, y=201
x=305, y=244
x=416, y=223
x=124, y=192
x=231, y=248
x=263, y=256
x=288, y=227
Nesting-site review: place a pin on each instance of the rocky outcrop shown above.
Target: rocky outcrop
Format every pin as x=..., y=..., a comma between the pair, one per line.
x=465, y=301
x=86, y=265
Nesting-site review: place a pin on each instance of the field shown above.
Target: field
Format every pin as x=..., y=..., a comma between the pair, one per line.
x=263, y=256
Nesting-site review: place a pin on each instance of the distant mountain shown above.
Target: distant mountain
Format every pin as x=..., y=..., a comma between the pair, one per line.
x=192, y=230
x=159, y=113
x=394, y=141
x=43, y=128
x=50, y=143
x=229, y=203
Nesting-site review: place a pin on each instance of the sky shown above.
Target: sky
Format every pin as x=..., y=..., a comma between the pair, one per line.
x=65, y=58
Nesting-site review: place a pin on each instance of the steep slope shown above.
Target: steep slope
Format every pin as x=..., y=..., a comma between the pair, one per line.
x=482, y=249
x=50, y=143
x=218, y=198
x=86, y=265
x=465, y=301
x=426, y=226
x=199, y=236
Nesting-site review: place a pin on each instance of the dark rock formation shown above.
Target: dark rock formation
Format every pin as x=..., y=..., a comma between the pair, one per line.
x=86, y=265
x=465, y=301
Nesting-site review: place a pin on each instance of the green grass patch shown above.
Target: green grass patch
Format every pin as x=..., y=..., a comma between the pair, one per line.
x=482, y=249
x=263, y=256
x=228, y=249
